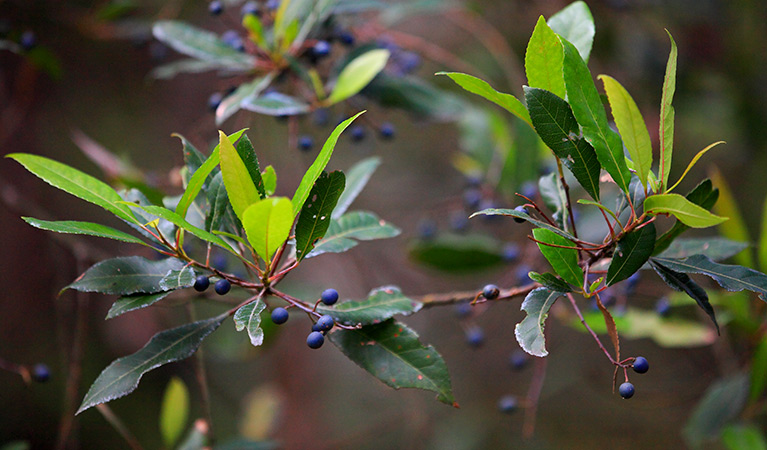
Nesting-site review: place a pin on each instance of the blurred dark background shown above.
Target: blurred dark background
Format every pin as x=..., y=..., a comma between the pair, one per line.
x=319, y=399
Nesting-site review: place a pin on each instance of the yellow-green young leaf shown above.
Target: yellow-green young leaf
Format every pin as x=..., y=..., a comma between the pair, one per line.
x=692, y=163
x=735, y=228
x=667, y=116
x=255, y=28
x=687, y=212
x=357, y=74
x=563, y=260
x=174, y=411
x=631, y=126
x=267, y=224
x=543, y=60
x=270, y=180
x=483, y=89
x=239, y=186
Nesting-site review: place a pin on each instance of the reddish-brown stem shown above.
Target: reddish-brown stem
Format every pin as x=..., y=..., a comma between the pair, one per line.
x=118, y=425
x=553, y=245
x=568, y=203
x=431, y=300
x=588, y=328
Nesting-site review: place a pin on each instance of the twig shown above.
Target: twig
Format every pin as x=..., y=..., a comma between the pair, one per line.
x=202, y=377
x=594, y=335
x=450, y=298
x=118, y=425
x=533, y=395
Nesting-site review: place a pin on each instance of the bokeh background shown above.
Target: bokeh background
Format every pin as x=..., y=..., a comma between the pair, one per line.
x=318, y=399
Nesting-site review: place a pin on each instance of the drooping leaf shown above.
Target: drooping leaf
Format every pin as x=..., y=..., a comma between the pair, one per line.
x=344, y=232
x=267, y=224
x=730, y=277
x=356, y=179
x=357, y=74
x=314, y=171
x=484, y=90
x=201, y=44
x=575, y=24
x=686, y=211
x=248, y=317
x=458, y=253
x=682, y=282
x=543, y=60
x=759, y=370
x=716, y=248
x=315, y=217
x=727, y=206
x=233, y=102
x=240, y=188
x=703, y=195
x=85, y=228
x=275, y=104
x=555, y=124
x=382, y=303
x=667, y=116
x=743, y=436
x=391, y=352
x=631, y=126
x=126, y=275
x=174, y=411
x=550, y=281
x=563, y=260
x=521, y=215
x=588, y=110
x=723, y=401
x=693, y=161
x=632, y=252
x=529, y=332
x=130, y=303
x=122, y=376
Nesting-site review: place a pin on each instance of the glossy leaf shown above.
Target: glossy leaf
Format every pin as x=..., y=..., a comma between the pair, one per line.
x=174, y=411
x=705, y=196
x=484, y=90
x=126, y=275
x=391, y=352
x=315, y=217
x=543, y=60
x=730, y=277
x=122, y=376
x=694, y=161
x=85, y=228
x=275, y=104
x=555, y=124
x=759, y=370
x=381, y=304
x=248, y=317
x=240, y=188
x=735, y=228
x=716, y=248
x=356, y=179
x=682, y=282
x=632, y=252
x=219, y=206
x=133, y=302
x=529, y=332
x=458, y=253
x=575, y=24
x=588, y=110
x=200, y=44
x=631, y=126
x=743, y=436
x=314, y=171
x=248, y=155
x=344, y=232
x=267, y=224
x=521, y=215
x=550, y=282
x=687, y=212
x=232, y=102
x=722, y=402
x=270, y=180
x=667, y=116
x=563, y=260
x=177, y=279
x=357, y=74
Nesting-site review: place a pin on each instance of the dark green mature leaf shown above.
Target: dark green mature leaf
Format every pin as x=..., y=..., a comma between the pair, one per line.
x=484, y=90
x=682, y=282
x=233, y=102
x=414, y=95
x=344, y=232
x=550, y=281
x=220, y=210
x=590, y=112
x=722, y=402
x=248, y=156
x=86, y=228
x=554, y=121
x=705, y=196
x=275, y=104
x=177, y=279
x=193, y=158
x=356, y=179
x=632, y=252
x=382, y=303
x=248, y=317
x=740, y=437
x=126, y=275
x=201, y=44
x=122, y=376
x=543, y=60
x=730, y=277
x=529, y=332
x=391, y=352
x=716, y=248
x=521, y=215
x=563, y=260
x=575, y=24
x=459, y=253
x=129, y=303
x=314, y=220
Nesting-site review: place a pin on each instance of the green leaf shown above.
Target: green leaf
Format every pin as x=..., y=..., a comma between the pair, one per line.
x=220, y=210
x=458, y=253
x=686, y=211
x=563, y=260
x=632, y=252
x=314, y=220
x=575, y=24
x=631, y=126
x=735, y=228
x=382, y=303
x=762, y=246
x=344, y=232
x=318, y=166
x=759, y=370
x=743, y=437
x=553, y=195
x=667, y=116
x=484, y=90
x=201, y=44
x=189, y=65
x=123, y=375
x=705, y=196
x=521, y=215
x=716, y=248
x=270, y=180
x=555, y=124
x=177, y=279
x=232, y=103
x=275, y=104
x=730, y=277
x=683, y=283
x=174, y=411
x=356, y=179
x=543, y=60
x=529, y=332
x=130, y=303
x=240, y=188
x=127, y=275
x=248, y=155
x=550, y=281
x=267, y=224
x=588, y=110
x=72, y=181
x=391, y=352
x=86, y=228
x=357, y=74
x=248, y=317
x=692, y=163
x=723, y=401
x=412, y=94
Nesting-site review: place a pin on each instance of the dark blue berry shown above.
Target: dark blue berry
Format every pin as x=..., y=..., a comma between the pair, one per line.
x=321, y=49
x=222, y=286
x=232, y=39
x=272, y=5
x=250, y=7
x=522, y=274
x=346, y=38
x=490, y=292
x=28, y=40
x=214, y=100
x=280, y=315
x=305, y=143
x=626, y=390
x=463, y=310
x=508, y=404
x=520, y=209
x=641, y=365
x=329, y=296
x=528, y=189
x=631, y=283
x=510, y=252
x=41, y=373
x=215, y=7
x=472, y=198
x=518, y=360
x=386, y=131
x=358, y=133
x=427, y=229
x=408, y=62
x=475, y=337
x=201, y=283
x=325, y=323
x=663, y=307
x=315, y=339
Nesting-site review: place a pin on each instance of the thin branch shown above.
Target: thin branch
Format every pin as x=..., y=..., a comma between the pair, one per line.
x=201, y=375
x=451, y=298
x=593, y=334
x=118, y=425
x=533, y=396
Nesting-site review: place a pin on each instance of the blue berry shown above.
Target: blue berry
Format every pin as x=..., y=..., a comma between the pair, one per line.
x=280, y=315
x=463, y=310
x=250, y=7
x=321, y=117
x=201, y=283
x=408, y=62
x=459, y=222
x=631, y=283
x=325, y=323
x=508, y=404
x=490, y=292
x=510, y=252
x=663, y=307
x=358, y=133
x=321, y=49
x=473, y=180
x=214, y=100
x=472, y=198
x=520, y=209
x=272, y=5
x=215, y=7
x=41, y=373
x=626, y=390
x=222, y=286
x=518, y=360
x=329, y=296
x=528, y=189
x=386, y=131
x=475, y=337
x=641, y=365
x=305, y=143
x=233, y=39
x=346, y=38
x=522, y=274
x=28, y=40
x=315, y=339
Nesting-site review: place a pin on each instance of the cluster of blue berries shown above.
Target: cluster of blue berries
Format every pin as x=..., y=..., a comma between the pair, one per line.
x=640, y=365
x=324, y=324
x=222, y=286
